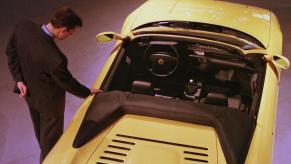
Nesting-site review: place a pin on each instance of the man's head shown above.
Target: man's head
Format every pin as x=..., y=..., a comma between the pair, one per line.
x=64, y=23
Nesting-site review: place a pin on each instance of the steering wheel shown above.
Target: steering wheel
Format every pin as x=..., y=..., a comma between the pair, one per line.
x=161, y=60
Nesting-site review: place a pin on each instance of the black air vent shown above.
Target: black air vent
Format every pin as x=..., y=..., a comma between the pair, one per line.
x=193, y=153
x=161, y=142
x=124, y=142
x=116, y=151
x=111, y=159
x=195, y=156
x=119, y=148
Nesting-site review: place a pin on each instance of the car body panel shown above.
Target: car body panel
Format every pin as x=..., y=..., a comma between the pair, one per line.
x=276, y=38
x=172, y=149
x=248, y=19
x=263, y=139
x=261, y=147
x=141, y=146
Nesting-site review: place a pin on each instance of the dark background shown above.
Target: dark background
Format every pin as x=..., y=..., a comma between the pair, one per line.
x=17, y=142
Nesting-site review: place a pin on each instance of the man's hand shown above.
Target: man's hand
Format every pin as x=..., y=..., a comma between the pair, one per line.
x=23, y=89
x=95, y=91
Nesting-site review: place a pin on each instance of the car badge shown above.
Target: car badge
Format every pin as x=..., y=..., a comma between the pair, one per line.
x=161, y=61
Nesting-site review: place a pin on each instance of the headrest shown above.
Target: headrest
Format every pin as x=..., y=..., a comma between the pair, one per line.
x=142, y=87
x=215, y=99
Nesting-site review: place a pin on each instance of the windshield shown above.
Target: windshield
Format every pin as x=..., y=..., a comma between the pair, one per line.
x=212, y=32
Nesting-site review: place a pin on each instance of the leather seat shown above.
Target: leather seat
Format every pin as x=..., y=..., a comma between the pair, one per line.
x=215, y=99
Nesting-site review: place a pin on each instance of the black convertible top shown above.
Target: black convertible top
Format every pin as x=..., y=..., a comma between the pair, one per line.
x=233, y=127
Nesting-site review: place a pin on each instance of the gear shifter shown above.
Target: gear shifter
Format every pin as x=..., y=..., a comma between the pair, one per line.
x=192, y=89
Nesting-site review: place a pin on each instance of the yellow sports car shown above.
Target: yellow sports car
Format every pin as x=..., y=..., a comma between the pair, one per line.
x=188, y=81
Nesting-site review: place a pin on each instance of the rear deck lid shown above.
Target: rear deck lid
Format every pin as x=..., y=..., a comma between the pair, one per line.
x=138, y=139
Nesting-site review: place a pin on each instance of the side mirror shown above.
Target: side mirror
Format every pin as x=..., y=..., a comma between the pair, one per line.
x=279, y=61
x=109, y=36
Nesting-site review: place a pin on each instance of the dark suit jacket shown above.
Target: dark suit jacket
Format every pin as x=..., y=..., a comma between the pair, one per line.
x=34, y=58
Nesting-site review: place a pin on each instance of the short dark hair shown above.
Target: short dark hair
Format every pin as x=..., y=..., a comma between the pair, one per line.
x=66, y=17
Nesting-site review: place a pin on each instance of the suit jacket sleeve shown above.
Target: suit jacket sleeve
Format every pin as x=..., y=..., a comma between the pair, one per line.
x=66, y=81
x=13, y=60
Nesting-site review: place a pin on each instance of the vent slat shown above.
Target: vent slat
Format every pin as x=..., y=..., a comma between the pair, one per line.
x=119, y=147
x=124, y=142
x=195, y=153
x=162, y=142
x=197, y=160
x=112, y=159
x=115, y=153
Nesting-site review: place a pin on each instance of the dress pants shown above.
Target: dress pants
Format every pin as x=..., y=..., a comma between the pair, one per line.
x=48, y=129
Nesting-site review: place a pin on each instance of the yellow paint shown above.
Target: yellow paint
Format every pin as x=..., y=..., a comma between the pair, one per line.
x=251, y=20
x=145, y=151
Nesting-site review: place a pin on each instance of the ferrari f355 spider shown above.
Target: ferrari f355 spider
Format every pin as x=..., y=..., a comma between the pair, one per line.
x=188, y=81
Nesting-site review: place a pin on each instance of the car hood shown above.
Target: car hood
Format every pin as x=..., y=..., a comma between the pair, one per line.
x=250, y=20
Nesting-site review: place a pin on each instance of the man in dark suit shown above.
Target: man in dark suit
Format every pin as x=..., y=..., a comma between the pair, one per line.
x=40, y=71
